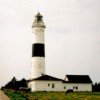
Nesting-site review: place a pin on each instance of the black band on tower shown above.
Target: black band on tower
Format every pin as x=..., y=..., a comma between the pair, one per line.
x=38, y=50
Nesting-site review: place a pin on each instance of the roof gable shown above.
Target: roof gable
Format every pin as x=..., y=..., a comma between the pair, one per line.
x=78, y=79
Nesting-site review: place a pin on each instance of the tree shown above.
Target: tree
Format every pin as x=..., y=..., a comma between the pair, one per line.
x=96, y=87
x=14, y=84
x=11, y=84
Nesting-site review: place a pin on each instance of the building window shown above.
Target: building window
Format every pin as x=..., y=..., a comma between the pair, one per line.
x=75, y=87
x=64, y=87
x=53, y=85
x=48, y=84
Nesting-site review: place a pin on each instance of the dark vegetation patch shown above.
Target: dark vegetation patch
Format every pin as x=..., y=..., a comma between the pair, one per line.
x=22, y=95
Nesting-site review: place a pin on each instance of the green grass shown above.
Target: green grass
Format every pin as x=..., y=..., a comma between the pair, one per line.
x=21, y=95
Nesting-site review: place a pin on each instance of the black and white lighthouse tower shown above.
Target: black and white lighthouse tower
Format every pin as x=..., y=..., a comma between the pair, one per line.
x=38, y=47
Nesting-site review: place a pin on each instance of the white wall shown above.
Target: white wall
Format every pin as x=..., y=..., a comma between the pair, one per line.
x=59, y=86
x=81, y=87
x=38, y=67
x=31, y=85
x=38, y=35
x=43, y=86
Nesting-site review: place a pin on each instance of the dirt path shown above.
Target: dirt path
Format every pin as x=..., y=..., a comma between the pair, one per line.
x=3, y=96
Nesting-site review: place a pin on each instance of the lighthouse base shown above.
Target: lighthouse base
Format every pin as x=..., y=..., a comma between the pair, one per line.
x=38, y=67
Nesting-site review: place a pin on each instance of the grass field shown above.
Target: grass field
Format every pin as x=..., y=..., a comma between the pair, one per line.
x=21, y=95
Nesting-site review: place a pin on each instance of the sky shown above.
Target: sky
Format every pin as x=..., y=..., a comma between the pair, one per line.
x=72, y=37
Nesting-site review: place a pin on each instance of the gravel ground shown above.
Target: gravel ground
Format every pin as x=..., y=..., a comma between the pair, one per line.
x=3, y=96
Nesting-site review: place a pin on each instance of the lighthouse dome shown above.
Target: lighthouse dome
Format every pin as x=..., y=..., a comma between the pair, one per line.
x=38, y=22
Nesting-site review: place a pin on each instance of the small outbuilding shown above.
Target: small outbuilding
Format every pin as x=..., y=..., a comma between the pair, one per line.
x=78, y=82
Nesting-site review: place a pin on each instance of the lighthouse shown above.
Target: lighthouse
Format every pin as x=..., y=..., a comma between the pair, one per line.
x=42, y=82
x=38, y=47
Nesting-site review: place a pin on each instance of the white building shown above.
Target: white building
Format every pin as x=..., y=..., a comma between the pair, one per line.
x=41, y=82
x=49, y=83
